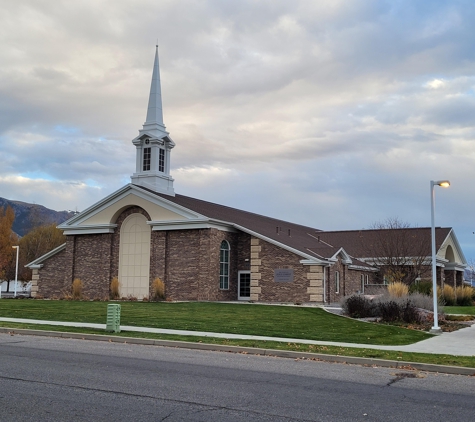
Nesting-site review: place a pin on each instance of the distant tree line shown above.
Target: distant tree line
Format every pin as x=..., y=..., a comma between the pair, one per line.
x=40, y=239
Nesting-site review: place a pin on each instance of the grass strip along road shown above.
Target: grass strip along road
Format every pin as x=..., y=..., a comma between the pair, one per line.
x=281, y=321
x=463, y=361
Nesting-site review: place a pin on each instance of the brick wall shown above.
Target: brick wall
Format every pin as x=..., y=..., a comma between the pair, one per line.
x=92, y=264
x=350, y=281
x=187, y=261
x=306, y=286
x=53, y=280
x=192, y=263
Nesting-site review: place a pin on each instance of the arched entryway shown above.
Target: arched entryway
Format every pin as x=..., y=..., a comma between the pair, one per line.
x=134, y=257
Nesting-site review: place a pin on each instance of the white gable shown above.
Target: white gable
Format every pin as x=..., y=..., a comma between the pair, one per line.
x=451, y=253
x=101, y=217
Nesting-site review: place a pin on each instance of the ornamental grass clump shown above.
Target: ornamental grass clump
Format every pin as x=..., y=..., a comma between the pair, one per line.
x=115, y=289
x=77, y=289
x=463, y=296
x=447, y=295
x=398, y=289
x=158, y=289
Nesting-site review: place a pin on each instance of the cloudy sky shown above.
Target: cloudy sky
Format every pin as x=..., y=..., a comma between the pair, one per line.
x=334, y=114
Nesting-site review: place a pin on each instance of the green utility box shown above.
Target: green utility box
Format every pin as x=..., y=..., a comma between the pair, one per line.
x=113, y=318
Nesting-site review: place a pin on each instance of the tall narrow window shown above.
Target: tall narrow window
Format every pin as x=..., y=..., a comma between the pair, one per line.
x=362, y=283
x=337, y=281
x=161, y=160
x=147, y=154
x=224, y=266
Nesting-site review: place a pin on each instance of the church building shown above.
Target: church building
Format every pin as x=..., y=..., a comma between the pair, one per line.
x=202, y=250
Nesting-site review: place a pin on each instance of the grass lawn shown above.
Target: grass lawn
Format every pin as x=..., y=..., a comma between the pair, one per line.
x=464, y=310
x=274, y=321
x=464, y=361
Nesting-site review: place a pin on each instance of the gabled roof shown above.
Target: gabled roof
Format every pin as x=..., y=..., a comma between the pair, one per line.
x=354, y=245
x=362, y=243
x=312, y=244
x=303, y=239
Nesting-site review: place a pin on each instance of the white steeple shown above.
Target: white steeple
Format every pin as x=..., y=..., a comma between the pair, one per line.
x=153, y=145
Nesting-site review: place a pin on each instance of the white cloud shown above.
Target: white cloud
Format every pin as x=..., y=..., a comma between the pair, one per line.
x=333, y=114
x=435, y=83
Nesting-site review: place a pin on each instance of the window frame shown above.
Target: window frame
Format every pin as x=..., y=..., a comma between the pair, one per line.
x=161, y=160
x=337, y=282
x=224, y=265
x=147, y=159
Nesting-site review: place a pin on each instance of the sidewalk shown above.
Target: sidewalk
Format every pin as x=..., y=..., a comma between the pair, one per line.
x=459, y=343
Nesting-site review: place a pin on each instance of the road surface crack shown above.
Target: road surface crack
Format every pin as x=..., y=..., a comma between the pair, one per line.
x=401, y=375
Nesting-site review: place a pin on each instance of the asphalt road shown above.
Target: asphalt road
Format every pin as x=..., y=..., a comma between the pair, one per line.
x=45, y=379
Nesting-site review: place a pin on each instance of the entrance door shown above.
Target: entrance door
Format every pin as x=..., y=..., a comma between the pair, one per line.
x=134, y=257
x=244, y=285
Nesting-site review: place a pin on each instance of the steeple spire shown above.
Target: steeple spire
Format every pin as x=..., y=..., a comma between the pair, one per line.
x=154, y=111
x=153, y=145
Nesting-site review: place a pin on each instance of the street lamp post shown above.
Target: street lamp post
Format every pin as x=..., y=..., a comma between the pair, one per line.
x=16, y=269
x=445, y=184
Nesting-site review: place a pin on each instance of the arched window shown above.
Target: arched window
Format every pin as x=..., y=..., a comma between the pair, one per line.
x=224, y=266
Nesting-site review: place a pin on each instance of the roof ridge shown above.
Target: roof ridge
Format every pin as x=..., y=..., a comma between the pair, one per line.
x=244, y=211
x=377, y=230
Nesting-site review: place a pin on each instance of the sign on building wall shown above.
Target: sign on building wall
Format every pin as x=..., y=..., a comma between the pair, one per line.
x=284, y=275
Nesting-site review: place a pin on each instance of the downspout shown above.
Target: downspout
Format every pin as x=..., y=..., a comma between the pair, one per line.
x=324, y=284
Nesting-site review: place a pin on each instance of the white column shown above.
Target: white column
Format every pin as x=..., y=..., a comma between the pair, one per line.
x=138, y=159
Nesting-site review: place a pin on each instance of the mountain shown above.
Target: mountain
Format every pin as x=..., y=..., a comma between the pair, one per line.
x=28, y=215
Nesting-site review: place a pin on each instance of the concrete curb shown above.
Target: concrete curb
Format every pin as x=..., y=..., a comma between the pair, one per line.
x=445, y=369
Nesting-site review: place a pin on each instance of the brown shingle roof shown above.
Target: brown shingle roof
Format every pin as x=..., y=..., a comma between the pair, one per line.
x=363, y=243
x=308, y=240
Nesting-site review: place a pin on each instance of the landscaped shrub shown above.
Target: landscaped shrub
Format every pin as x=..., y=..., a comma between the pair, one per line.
x=410, y=313
x=409, y=308
x=389, y=311
x=77, y=289
x=398, y=289
x=423, y=301
x=463, y=296
x=357, y=306
x=158, y=289
x=392, y=311
x=424, y=287
x=115, y=289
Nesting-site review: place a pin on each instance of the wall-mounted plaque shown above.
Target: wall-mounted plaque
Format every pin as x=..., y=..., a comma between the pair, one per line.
x=284, y=275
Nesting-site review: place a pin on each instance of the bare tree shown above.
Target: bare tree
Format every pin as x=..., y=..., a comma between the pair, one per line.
x=400, y=251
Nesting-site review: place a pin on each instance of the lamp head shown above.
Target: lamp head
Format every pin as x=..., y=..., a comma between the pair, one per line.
x=442, y=183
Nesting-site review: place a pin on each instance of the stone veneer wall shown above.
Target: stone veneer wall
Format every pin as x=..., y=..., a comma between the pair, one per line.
x=315, y=274
x=265, y=258
x=35, y=276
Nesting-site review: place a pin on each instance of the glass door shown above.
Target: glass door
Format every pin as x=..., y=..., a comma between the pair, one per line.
x=244, y=287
